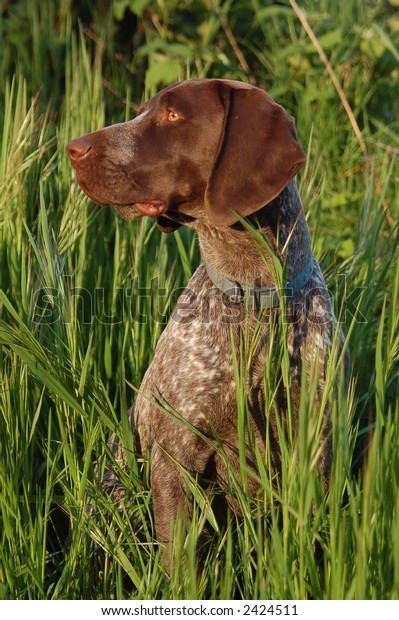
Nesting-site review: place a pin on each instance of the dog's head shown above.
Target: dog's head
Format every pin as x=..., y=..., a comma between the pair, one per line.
x=200, y=148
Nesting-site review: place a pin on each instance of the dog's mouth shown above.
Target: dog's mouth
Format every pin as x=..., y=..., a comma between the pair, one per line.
x=155, y=209
x=130, y=211
x=167, y=225
x=167, y=221
x=151, y=208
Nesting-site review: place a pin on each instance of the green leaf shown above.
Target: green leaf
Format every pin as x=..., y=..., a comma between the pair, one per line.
x=162, y=71
x=327, y=41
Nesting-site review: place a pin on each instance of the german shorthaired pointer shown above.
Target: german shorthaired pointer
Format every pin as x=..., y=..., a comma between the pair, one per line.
x=213, y=155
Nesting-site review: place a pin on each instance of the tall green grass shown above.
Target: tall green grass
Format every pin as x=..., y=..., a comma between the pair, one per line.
x=76, y=332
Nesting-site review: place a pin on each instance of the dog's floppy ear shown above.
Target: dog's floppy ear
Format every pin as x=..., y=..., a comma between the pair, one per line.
x=258, y=154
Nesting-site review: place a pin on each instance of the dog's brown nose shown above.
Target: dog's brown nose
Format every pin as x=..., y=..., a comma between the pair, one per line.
x=78, y=149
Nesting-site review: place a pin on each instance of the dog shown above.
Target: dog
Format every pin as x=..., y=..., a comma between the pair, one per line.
x=217, y=156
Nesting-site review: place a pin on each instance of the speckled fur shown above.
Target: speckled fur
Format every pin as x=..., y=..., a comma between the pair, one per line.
x=192, y=370
x=242, y=157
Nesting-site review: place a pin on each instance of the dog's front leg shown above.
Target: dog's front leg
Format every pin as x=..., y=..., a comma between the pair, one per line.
x=171, y=498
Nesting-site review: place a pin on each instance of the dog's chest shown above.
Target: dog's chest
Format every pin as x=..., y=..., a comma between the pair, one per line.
x=194, y=369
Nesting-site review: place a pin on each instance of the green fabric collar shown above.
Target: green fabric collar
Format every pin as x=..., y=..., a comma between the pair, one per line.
x=261, y=297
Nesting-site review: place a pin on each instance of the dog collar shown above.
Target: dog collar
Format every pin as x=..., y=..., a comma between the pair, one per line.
x=264, y=296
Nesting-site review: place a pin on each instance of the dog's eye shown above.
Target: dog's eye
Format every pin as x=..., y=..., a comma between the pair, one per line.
x=173, y=116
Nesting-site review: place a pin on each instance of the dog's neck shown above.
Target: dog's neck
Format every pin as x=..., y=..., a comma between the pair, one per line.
x=235, y=253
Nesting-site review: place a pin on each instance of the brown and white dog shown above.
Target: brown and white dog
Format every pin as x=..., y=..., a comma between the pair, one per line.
x=204, y=154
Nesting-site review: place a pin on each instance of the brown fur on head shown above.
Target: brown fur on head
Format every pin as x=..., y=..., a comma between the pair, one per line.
x=258, y=154
x=229, y=149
